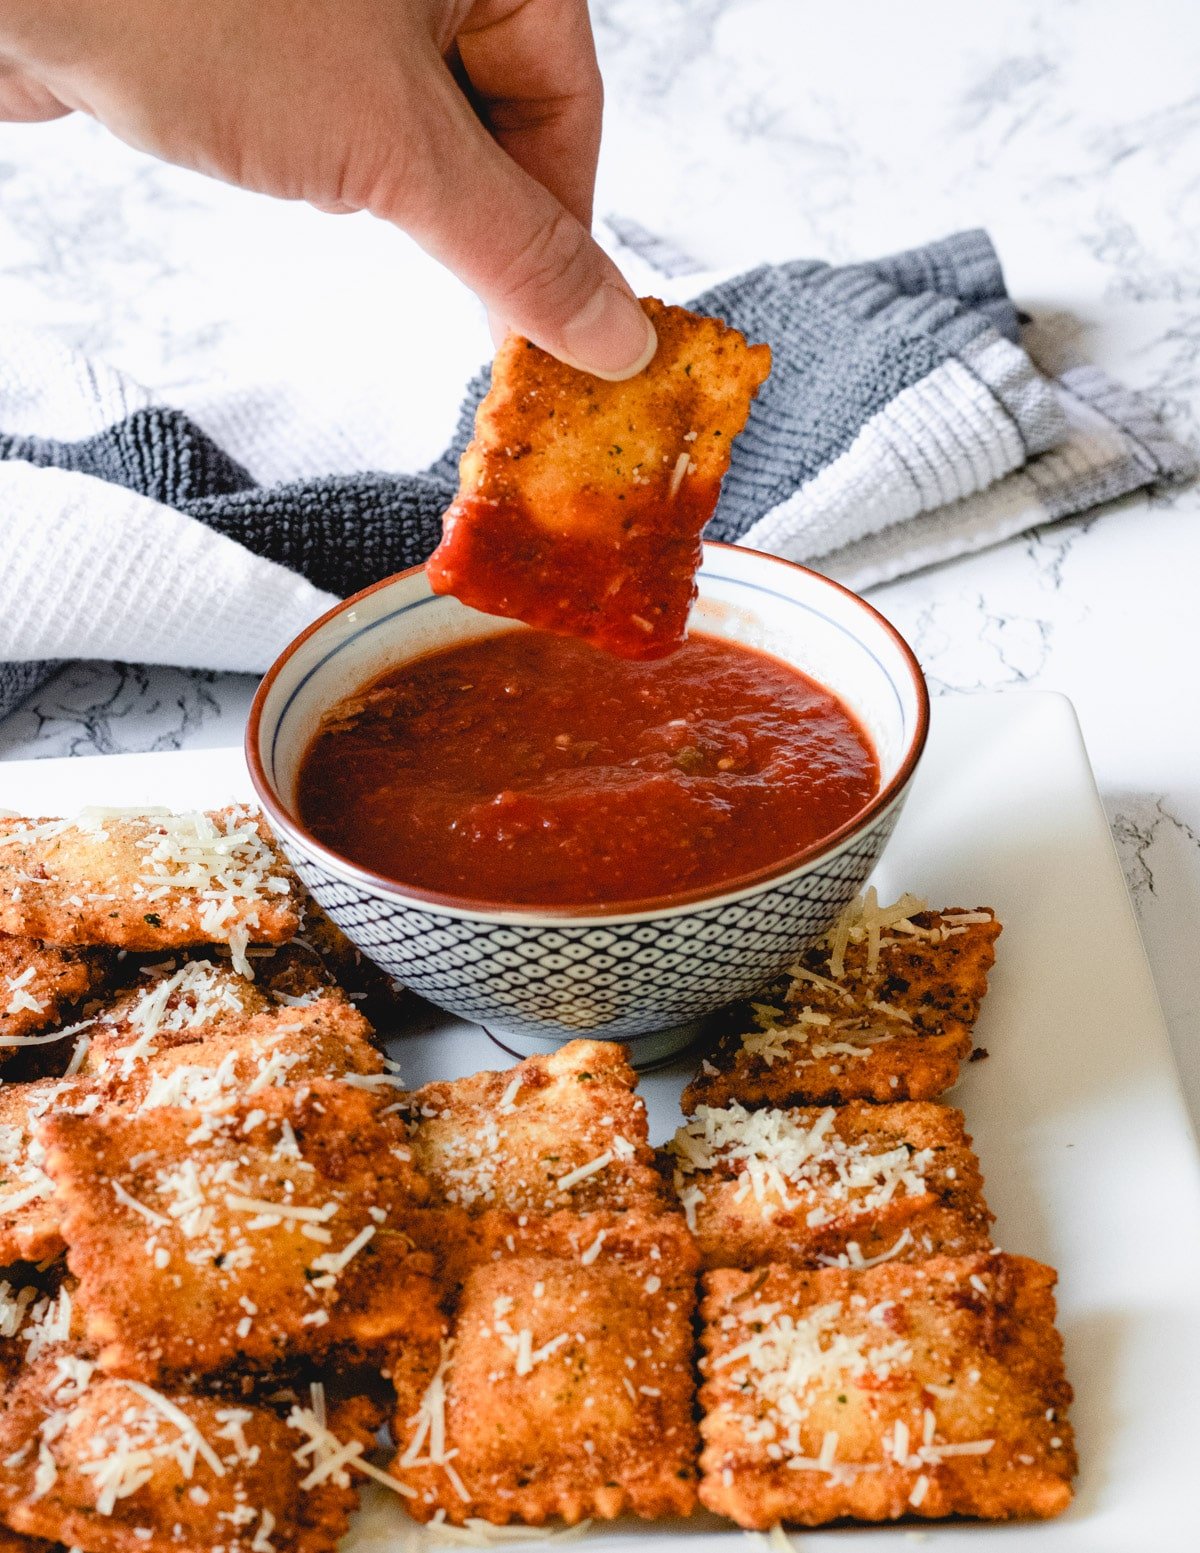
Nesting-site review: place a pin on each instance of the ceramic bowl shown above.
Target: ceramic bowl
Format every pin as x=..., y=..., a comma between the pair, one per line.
x=536, y=977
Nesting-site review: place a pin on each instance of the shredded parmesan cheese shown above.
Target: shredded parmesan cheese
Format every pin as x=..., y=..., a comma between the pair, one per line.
x=785, y=1164
x=187, y=1429
x=682, y=464
x=574, y=1177
x=336, y=1262
x=330, y=1456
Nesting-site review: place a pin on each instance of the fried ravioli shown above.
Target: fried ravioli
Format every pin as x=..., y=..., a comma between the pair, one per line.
x=580, y=501
x=276, y=1229
x=193, y=995
x=881, y=1009
x=931, y=1390
x=110, y=1465
x=40, y=984
x=564, y=1130
x=814, y=1188
x=157, y=881
x=210, y=1066
x=566, y=1387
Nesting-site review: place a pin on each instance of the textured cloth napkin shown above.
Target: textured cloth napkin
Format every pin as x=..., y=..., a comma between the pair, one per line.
x=902, y=425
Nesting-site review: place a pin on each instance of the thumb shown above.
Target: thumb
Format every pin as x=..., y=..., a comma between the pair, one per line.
x=528, y=259
x=24, y=100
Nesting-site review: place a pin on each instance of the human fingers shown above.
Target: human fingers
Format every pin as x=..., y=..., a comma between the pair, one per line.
x=24, y=100
x=505, y=234
x=532, y=68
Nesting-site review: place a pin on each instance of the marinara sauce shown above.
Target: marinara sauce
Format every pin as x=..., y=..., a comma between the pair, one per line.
x=533, y=769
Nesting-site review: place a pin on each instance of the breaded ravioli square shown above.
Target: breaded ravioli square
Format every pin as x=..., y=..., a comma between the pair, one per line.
x=566, y=1388
x=210, y=1066
x=188, y=994
x=580, y=502
x=881, y=1009
x=147, y=882
x=565, y=1130
x=932, y=1390
x=111, y=1465
x=273, y=1230
x=39, y=985
x=843, y=1185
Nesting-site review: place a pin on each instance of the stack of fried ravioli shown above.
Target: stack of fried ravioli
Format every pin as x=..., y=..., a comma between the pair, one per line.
x=865, y=1353
x=232, y=1247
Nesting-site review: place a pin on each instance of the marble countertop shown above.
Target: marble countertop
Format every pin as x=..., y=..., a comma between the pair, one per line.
x=744, y=130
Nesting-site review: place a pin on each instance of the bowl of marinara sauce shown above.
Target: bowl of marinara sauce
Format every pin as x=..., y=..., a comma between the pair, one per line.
x=553, y=841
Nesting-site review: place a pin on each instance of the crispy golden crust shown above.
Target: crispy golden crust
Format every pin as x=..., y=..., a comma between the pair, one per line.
x=207, y=1474
x=209, y=1065
x=146, y=883
x=581, y=502
x=897, y=1032
x=30, y=1228
x=568, y=1381
x=187, y=996
x=811, y=1187
x=182, y=1271
x=184, y=995
x=520, y=1139
x=39, y=985
x=873, y=1394
x=547, y=433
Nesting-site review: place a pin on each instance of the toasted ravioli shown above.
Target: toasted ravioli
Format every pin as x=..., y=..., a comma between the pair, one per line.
x=156, y=881
x=566, y=1386
x=881, y=1009
x=211, y=1066
x=277, y=1228
x=112, y=1465
x=40, y=984
x=844, y=1185
x=187, y=997
x=561, y=1131
x=29, y=1211
x=181, y=997
x=581, y=502
x=932, y=1390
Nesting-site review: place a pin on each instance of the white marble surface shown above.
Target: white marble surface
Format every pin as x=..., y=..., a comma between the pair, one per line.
x=744, y=129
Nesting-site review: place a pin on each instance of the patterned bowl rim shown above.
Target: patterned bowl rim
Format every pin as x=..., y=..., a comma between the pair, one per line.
x=729, y=891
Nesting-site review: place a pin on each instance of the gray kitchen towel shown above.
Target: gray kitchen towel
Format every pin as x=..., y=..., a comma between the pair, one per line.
x=902, y=425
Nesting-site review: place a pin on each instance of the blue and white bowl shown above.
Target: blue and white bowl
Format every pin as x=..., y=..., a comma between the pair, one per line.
x=536, y=977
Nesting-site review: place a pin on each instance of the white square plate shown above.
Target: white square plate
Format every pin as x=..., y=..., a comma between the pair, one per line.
x=1076, y=1114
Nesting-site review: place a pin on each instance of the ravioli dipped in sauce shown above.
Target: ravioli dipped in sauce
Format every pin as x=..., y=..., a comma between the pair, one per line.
x=581, y=502
x=528, y=768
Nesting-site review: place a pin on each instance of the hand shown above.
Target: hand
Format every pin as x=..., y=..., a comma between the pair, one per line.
x=472, y=124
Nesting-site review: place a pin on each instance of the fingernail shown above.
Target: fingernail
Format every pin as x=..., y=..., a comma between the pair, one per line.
x=610, y=337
